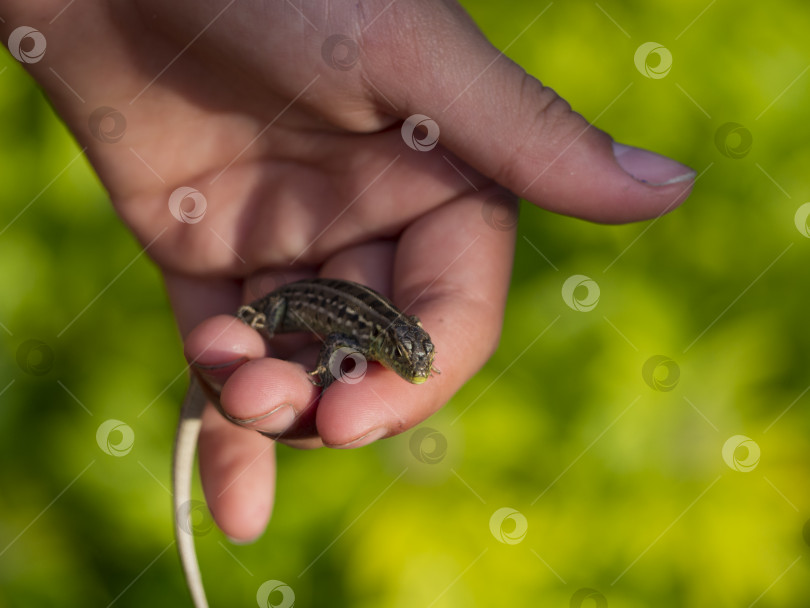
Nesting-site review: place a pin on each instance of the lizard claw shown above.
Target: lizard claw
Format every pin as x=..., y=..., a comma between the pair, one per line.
x=315, y=377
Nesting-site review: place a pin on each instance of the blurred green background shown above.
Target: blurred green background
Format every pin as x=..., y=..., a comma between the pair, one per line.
x=615, y=470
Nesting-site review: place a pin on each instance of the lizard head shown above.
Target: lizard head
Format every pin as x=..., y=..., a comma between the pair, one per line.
x=413, y=358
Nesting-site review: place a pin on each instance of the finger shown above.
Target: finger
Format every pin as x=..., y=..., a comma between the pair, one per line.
x=273, y=397
x=237, y=465
x=526, y=137
x=452, y=270
x=370, y=264
x=238, y=471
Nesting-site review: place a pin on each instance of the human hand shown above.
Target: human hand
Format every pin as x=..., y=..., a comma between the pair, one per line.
x=305, y=172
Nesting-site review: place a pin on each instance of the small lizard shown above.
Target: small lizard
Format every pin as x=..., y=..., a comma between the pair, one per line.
x=349, y=316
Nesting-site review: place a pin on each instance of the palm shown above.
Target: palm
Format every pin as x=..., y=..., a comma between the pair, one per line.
x=284, y=187
x=280, y=209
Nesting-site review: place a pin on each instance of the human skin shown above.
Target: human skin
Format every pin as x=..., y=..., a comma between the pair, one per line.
x=305, y=173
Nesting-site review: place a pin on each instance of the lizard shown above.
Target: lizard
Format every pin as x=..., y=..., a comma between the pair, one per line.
x=348, y=316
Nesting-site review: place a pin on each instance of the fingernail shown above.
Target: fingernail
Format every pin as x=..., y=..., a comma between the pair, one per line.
x=651, y=168
x=274, y=422
x=215, y=375
x=369, y=437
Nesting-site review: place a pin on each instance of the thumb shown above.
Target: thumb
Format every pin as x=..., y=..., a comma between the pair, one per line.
x=509, y=126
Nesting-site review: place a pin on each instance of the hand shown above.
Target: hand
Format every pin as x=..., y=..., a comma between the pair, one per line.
x=294, y=142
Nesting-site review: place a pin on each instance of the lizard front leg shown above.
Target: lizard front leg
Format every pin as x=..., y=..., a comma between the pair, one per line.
x=265, y=315
x=341, y=358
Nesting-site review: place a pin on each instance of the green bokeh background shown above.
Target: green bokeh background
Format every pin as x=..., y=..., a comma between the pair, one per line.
x=623, y=487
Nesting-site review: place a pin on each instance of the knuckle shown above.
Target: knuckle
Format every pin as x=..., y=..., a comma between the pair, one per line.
x=546, y=122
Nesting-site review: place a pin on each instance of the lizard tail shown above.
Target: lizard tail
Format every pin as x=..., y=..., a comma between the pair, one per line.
x=185, y=447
